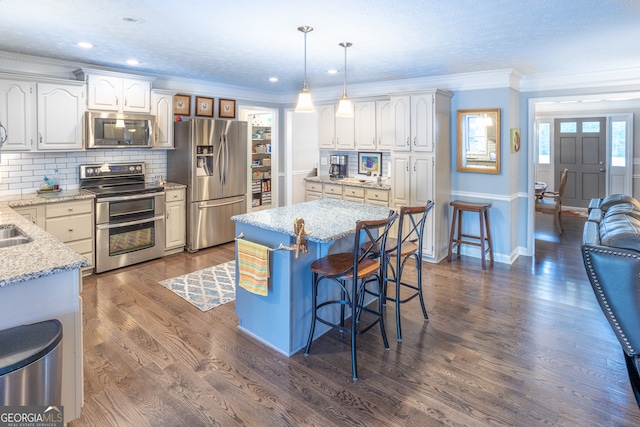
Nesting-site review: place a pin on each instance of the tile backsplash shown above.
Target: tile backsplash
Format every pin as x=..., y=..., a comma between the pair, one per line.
x=22, y=173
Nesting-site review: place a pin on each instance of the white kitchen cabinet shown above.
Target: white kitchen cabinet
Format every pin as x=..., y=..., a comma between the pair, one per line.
x=373, y=129
x=345, y=133
x=70, y=222
x=353, y=194
x=60, y=116
x=326, y=127
x=365, y=125
x=384, y=126
x=334, y=132
x=176, y=220
x=73, y=223
x=162, y=108
x=313, y=191
x=332, y=191
x=421, y=162
x=317, y=190
x=17, y=114
x=376, y=197
x=422, y=128
x=125, y=95
x=401, y=122
x=35, y=214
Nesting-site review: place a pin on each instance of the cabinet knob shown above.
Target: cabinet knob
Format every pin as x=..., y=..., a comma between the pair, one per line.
x=408, y=142
x=70, y=209
x=71, y=230
x=414, y=140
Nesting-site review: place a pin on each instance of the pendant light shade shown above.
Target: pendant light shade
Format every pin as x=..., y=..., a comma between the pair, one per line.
x=305, y=103
x=345, y=108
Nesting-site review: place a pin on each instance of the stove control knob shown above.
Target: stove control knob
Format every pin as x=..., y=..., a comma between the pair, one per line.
x=131, y=168
x=138, y=168
x=96, y=171
x=89, y=171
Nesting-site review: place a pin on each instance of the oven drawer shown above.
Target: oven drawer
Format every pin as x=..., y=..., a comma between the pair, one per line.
x=70, y=228
x=55, y=210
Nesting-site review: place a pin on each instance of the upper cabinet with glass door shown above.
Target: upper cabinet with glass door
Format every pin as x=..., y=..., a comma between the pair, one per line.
x=479, y=141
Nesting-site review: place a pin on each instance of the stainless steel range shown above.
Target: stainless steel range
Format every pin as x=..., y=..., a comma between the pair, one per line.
x=130, y=221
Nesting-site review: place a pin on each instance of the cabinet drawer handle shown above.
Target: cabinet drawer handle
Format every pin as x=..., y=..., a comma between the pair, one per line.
x=414, y=140
x=408, y=142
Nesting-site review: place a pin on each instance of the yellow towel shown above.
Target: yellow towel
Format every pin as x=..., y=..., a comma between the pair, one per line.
x=253, y=265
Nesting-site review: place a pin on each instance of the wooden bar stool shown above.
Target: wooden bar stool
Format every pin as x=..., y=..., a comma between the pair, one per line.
x=484, y=241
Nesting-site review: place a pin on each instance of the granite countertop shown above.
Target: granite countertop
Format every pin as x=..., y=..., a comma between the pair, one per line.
x=43, y=256
x=45, y=198
x=173, y=186
x=351, y=182
x=327, y=219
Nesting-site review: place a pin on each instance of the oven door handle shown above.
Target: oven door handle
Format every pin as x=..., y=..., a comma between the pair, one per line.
x=133, y=197
x=126, y=224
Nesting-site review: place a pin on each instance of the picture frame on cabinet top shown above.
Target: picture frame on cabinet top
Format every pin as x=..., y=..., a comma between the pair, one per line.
x=227, y=108
x=204, y=106
x=182, y=105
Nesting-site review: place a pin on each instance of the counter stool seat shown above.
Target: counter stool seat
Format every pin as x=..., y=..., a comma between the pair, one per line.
x=458, y=238
x=398, y=251
x=353, y=274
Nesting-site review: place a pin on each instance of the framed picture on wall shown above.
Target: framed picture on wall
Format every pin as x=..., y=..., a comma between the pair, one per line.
x=370, y=163
x=182, y=105
x=204, y=106
x=227, y=109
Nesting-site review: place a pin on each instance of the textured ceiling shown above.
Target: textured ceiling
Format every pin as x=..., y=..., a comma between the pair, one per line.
x=244, y=43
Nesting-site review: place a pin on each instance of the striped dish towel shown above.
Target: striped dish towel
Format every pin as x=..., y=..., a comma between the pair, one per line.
x=253, y=266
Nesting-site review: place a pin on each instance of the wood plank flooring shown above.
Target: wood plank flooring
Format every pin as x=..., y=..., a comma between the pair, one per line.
x=516, y=345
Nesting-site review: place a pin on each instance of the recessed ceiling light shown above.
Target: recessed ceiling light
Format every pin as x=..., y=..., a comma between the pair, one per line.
x=273, y=79
x=133, y=62
x=85, y=45
x=332, y=71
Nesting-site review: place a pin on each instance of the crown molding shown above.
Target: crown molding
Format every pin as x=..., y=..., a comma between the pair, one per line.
x=580, y=80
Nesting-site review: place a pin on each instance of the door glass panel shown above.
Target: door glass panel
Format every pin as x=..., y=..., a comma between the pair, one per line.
x=544, y=143
x=618, y=143
x=590, y=127
x=568, y=127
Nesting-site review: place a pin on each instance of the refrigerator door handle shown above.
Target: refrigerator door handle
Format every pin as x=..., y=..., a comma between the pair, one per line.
x=220, y=161
x=215, y=205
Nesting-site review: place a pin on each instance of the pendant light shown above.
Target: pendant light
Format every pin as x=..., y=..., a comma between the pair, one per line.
x=305, y=104
x=345, y=108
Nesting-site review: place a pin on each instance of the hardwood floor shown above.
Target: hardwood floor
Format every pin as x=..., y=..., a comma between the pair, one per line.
x=517, y=345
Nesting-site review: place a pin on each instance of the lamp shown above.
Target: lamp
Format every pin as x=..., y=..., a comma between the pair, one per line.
x=305, y=104
x=345, y=108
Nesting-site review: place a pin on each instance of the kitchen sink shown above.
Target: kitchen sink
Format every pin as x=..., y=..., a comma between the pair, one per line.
x=11, y=235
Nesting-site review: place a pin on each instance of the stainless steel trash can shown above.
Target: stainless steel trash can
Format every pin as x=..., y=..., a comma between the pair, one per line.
x=31, y=364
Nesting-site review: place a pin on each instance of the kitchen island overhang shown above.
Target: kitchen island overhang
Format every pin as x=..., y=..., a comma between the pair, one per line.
x=282, y=318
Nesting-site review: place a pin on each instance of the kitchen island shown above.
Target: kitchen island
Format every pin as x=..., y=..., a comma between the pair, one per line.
x=283, y=318
x=40, y=280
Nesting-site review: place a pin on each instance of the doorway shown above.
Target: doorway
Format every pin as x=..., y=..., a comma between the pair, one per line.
x=580, y=146
x=263, y=151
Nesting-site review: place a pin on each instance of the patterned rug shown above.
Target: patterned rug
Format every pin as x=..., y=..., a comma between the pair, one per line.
x=207, y=288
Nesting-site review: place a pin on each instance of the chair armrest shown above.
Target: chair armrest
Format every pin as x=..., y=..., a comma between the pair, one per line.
x=613, y=276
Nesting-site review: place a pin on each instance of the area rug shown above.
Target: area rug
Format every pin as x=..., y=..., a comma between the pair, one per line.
x=207, y=288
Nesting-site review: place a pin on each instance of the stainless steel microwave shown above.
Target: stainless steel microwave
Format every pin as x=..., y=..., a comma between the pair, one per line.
x=117, y=130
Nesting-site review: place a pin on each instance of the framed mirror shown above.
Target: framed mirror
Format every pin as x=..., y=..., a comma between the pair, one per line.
x=479, y=141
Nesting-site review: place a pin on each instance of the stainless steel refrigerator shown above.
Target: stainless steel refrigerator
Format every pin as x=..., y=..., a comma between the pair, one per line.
x=210, y=157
